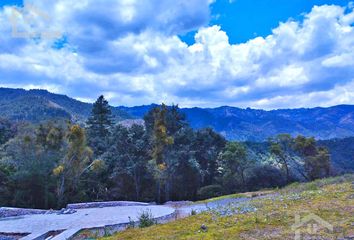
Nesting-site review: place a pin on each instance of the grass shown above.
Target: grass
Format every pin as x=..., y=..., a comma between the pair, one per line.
x=236, y=195
x=331, y=199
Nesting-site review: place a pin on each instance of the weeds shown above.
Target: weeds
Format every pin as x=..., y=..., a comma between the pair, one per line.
x=146, y=219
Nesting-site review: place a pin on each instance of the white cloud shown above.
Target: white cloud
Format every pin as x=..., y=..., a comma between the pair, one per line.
x=130, y=51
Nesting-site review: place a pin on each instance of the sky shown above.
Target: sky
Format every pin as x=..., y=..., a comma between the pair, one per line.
x=265, y=54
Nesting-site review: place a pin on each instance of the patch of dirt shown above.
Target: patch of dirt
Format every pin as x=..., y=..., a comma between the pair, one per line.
x=257, y=194
x=266, y=233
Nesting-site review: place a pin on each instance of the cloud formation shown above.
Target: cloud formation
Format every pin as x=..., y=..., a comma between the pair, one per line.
x=130, y=51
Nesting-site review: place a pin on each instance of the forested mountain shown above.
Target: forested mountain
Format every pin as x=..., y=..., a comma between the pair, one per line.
x=234, y=123
x=258, y=125
x=41, y=105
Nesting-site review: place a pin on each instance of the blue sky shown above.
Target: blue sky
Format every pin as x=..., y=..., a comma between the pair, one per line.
x=246, y=19
x=247, y=53
x=11, y=2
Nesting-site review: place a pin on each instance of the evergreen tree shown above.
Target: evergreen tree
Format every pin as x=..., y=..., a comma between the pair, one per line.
x=99, y=125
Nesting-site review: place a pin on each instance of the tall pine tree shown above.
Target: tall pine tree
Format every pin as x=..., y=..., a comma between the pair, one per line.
x=99, y=125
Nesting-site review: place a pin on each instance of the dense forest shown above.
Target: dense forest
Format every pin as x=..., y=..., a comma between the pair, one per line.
x=51, y=164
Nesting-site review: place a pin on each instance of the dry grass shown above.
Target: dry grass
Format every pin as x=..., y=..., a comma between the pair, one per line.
x=331, y=200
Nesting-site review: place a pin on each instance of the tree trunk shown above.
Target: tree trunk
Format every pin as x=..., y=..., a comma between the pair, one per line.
x=61, y=191
x=167, y=190
x=287, y=172
x=137, y=186
x=46, y=192
x=158, y=188
x=243, y=179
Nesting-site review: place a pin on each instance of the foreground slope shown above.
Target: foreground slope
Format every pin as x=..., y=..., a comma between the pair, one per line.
x=270, y=218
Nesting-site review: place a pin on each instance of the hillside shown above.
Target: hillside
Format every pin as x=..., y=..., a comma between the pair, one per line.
x=272, y=217
x=234, y=123
x=41, y=105
x=258, y=125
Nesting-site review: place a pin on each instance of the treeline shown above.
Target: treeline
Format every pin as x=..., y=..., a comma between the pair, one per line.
x=56, y=163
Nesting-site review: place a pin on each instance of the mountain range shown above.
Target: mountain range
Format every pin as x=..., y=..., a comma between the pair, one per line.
x=232, y=122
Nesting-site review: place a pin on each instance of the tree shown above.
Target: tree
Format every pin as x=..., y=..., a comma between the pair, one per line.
x=99, y=125
x=234, y=162
x=128, y=158
x=182, y=172
x=160, y=141
x=281, y=147
x=163, y=125
x=5, y=188
x=175, y=120
x=317, y=160
x=77, y=160
x=207, y=146
x=7, y=131
x=32, y=155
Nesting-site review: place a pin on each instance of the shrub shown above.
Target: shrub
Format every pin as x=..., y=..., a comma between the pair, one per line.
x=262, y=177
x=146, y=219
x=131, y=223
x=210, y=191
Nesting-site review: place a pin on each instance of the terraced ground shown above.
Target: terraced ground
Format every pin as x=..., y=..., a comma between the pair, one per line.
x=325, y=203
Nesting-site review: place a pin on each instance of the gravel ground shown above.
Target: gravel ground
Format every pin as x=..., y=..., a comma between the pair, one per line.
x=82, y=218
x=219, y=205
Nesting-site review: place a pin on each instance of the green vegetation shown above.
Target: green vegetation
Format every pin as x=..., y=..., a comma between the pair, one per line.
x=55, y=163
x=333, y=201
x=342, y=153
x=146, y=219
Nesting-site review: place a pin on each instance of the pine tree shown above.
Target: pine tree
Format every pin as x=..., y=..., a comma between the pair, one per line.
x=99, y=125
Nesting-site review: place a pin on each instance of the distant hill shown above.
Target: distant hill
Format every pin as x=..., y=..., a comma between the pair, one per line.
x=234, y=123
x=257, y=125
x=41, y=105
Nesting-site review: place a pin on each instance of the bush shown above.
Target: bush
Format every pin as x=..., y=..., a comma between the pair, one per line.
x=131, y=223
x=146, y=219
x=193, y=212
x=210, y=191
x=262, y=177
